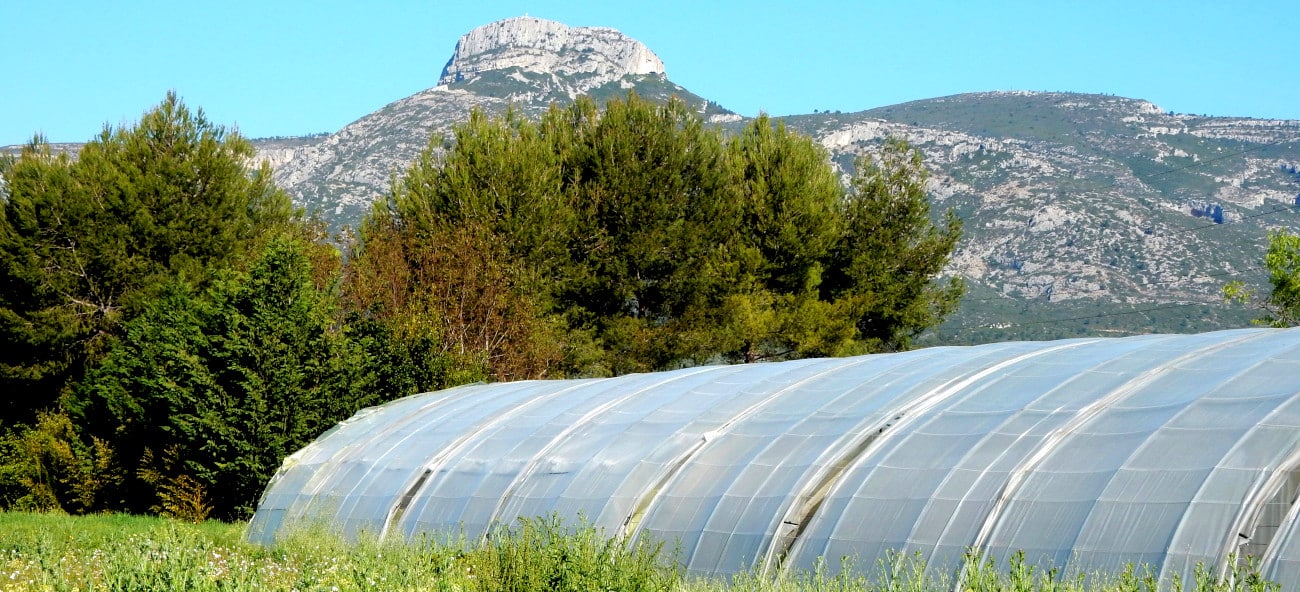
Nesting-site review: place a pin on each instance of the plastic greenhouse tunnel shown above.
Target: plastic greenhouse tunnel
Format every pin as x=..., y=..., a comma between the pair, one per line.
x=1085, y=454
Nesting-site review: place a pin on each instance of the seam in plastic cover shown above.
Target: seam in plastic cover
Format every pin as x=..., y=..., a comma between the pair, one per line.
x=631, y=526
x=813, y=493
x=1051, y=442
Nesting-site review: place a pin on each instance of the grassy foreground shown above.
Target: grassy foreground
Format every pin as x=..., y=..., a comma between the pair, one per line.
x=63, y=553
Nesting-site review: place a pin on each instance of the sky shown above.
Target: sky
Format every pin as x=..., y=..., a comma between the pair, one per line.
x=285, y=68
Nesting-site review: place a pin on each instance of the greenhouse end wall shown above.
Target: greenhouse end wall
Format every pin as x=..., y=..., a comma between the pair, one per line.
x=1085, y=454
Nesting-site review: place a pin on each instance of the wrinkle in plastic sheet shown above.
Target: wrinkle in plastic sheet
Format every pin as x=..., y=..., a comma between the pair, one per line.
x=870, y=511
x=472, y=485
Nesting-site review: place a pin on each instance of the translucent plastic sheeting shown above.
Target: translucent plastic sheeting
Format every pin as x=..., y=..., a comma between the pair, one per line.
x=1282, y=563
x=727, y=506
x=299, y=481
x=1085, y=454
x=471, y=489
x=1268, y=438
x=1090, y=472
x=930, y=485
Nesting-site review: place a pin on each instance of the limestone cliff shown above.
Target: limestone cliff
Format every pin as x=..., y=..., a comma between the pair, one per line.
x=590, y=56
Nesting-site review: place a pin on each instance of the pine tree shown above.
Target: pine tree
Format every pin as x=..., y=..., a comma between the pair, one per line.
x=86, y=242
x=885, y=263
x=635, y=238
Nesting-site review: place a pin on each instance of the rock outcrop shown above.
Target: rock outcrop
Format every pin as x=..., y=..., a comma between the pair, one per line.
x=591, y=56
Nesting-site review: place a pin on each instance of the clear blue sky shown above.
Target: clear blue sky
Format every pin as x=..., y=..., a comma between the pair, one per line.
x=291, y=68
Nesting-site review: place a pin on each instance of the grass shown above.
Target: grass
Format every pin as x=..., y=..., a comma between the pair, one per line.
x=114, y=552
x=49, y=552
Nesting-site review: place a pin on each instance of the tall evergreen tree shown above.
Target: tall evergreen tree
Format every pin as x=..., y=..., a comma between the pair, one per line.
x=652, y=199
x=86, y=242
x=788, y=222
x=211, y=389
x=884, y=265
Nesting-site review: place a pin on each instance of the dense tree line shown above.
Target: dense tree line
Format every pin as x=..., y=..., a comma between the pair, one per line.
x=171, y=329
x=637, y=239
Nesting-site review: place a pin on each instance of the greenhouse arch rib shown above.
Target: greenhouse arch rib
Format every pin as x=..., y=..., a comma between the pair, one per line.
x=1063, y=432
x=1278, y=490
x=438, y=462
x=632, y=524
x=1226, y=539
x=812, y=493
x=535, y=462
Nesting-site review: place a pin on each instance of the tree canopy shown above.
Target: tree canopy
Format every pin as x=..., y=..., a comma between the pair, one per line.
x=86, y=242
x=1282, y=260
x=637, y=238
x=171, y=329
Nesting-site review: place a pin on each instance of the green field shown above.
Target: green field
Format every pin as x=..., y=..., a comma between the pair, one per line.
x=116, y=552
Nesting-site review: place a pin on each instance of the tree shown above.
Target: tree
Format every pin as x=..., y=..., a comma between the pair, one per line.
x=453, y=260
x=787, y=195
x=636, y=238
x=448, y=305
x=885, y=263
x=86, y=242
x=207, y=391
x=1282, y=306
x=653, y=203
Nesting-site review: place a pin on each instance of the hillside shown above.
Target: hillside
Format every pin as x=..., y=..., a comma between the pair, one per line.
x=1091, y=205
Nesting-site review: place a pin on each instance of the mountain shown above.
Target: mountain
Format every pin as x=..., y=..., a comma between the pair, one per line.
x=1084, y=214
x=1090, y=214
x=523, y=62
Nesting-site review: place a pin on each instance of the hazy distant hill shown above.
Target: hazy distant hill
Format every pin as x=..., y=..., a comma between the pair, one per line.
x=1085, y=214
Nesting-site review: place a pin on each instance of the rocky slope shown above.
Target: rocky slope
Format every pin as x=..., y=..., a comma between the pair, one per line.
x=1083, y=207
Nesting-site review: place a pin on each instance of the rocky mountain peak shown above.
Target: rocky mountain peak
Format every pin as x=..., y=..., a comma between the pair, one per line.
x=593, y=56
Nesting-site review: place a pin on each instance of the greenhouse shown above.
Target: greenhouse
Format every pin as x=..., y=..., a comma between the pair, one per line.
x=1085, y=454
